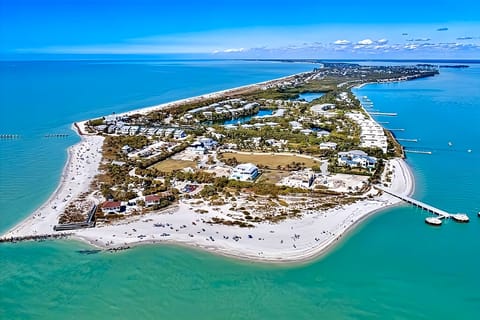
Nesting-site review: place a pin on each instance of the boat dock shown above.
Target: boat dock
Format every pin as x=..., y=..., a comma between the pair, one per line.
x=418, y=151
x=389, y=114
x=407, y=140
x=442, y=214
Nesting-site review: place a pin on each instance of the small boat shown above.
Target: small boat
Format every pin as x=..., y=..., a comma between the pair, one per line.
x=450, y=144
x=434, y=221
x=460, y=217
x=478, y=214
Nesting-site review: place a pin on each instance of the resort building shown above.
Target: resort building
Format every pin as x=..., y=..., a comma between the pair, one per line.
x=245, y=172
x=372, y=135
x=356, y=158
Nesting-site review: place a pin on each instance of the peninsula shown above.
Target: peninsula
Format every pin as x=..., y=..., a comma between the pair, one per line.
x=255, y=172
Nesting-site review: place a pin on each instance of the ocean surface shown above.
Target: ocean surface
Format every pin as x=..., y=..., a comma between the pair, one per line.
x=393, y=266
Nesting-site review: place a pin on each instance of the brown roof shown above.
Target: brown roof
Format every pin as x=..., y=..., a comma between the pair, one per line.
x=111, y=204
x=152, y=198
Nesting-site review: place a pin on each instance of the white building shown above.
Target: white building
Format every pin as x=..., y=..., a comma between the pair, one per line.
x=356, y=158
x=328, y=146
x=245, y=172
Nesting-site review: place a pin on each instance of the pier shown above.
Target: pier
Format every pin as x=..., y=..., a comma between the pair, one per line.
x=442, y=214
x=388, y=114
x=56, y=135
x=418, y=151
x=9, y=136
x=407, y=140
x=399, y=129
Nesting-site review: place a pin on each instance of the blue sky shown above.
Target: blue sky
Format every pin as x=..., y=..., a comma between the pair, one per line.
x=242, y=29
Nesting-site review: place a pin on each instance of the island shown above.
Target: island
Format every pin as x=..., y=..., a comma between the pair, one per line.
x=255, y=172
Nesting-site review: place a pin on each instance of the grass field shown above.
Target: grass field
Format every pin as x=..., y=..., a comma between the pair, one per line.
x=270, y=161
x=170, y=165
x=273, y=176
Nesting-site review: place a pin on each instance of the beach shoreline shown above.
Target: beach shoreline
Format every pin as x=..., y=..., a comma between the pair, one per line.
x=266, y=250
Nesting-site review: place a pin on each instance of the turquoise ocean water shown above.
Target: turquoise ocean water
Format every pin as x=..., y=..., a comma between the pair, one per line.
x=392, y=266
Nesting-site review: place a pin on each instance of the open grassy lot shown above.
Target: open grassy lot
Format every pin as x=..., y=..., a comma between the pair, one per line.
x=170, y=165
x=272, y=176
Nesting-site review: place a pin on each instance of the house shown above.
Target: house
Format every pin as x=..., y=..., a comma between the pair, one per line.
x=245, y=172
x=356, y=158
x=126, y=149
x=179, y=134
x=328, y=146
x=322, y=133
x=208, y=143
x=110, y=207
x=152, y=200
x=197, y=148
x=296, y=125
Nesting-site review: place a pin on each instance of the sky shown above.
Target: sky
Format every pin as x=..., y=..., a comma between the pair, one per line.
x=318, y=29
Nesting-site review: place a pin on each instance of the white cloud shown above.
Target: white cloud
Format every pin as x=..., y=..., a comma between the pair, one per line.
x=234, y=50
x=382, y=41
x=365, y=42
x=342, y=42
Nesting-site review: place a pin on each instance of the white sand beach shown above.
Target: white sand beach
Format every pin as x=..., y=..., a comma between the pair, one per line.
x=292, y=240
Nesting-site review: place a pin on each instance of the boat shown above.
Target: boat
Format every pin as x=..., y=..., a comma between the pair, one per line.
x=450, y=144
x=460, y=217
x=478, y=214
x=434, y=221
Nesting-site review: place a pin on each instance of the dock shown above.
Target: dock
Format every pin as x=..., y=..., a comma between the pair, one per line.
x=418, y=151
x=9, y=136
x=388, y=114
x=56, y=135
x=407, y=140
x=439, y=212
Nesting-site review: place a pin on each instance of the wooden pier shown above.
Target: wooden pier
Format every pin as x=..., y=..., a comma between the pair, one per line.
x=442, y=214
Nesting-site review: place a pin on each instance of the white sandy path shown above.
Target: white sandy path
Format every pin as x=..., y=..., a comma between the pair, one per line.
x=82, y=165
x=293, y=240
